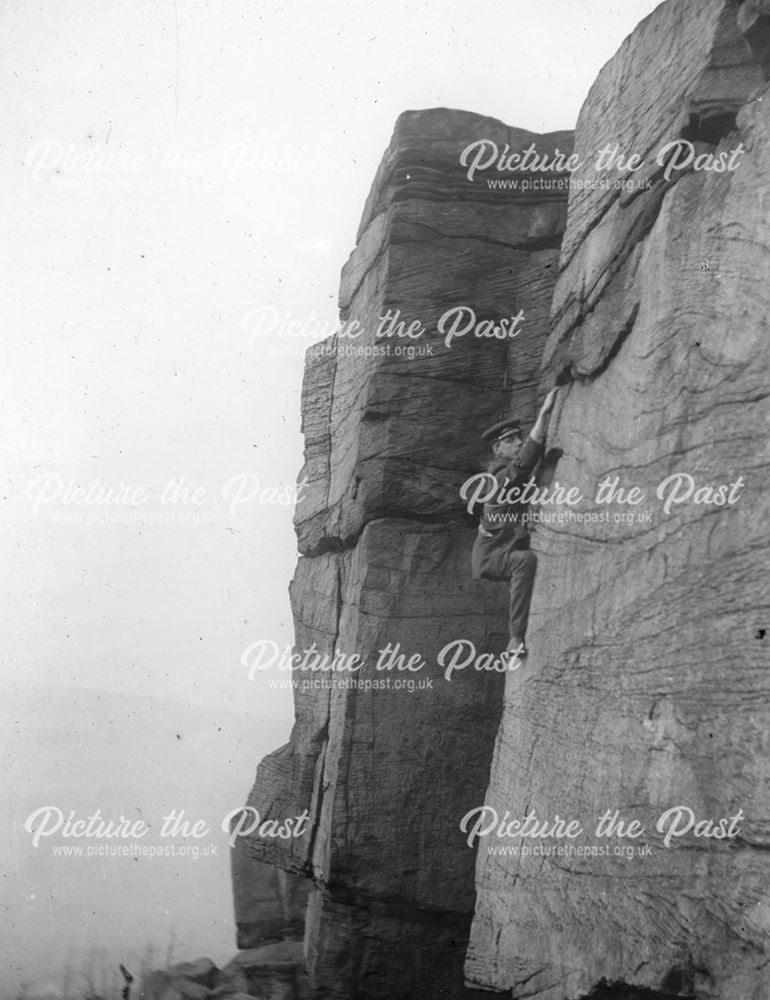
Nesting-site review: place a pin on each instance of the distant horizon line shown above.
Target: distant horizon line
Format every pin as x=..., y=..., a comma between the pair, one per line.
x=8, y=682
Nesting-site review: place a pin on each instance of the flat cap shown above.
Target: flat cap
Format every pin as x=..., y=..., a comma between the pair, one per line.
x=502, y=429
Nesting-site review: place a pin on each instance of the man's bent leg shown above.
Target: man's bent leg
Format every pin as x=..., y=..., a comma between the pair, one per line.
x=522, y=564
x=489, y=559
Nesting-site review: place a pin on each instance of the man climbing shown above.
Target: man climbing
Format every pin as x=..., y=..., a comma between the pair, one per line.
x=501, y=550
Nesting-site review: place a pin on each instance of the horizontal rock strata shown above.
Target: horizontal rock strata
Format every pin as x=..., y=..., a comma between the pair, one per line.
x=391, y=434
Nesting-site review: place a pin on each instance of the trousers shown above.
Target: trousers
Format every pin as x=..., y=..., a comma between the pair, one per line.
x=495, y=560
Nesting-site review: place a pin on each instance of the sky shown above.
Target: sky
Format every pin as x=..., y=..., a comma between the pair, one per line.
x=169, y=170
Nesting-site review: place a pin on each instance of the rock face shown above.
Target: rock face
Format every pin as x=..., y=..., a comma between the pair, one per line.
x=648, y=684
x=383, y=762
x=270, y=904
x=384, y=435
x=189, y=980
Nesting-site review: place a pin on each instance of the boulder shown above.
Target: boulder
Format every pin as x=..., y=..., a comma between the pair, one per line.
x=271, y=972
x=189, y=980
x=202, y=971
x=184, y=989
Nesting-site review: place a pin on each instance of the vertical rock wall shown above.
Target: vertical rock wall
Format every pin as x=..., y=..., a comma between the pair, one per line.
x=648, y=686
x=392, y=430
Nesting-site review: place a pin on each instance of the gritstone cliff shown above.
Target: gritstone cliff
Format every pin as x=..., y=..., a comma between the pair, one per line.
x=391, y=430
x=647, y=685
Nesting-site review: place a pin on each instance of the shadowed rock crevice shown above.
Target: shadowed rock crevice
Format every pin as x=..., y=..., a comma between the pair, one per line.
x=711, y=129
x=754, y=23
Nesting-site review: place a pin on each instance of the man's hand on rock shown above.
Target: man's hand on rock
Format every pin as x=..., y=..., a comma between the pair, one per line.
x=549, y=400
x=538, y=431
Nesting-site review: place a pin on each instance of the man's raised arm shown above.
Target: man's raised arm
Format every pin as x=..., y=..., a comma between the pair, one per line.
x=532, y=448
x=538, y=431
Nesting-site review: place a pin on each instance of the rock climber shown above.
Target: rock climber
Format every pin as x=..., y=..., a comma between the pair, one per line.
x=501, y=550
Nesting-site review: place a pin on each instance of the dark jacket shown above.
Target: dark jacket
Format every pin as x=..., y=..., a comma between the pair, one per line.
x=503, y=520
